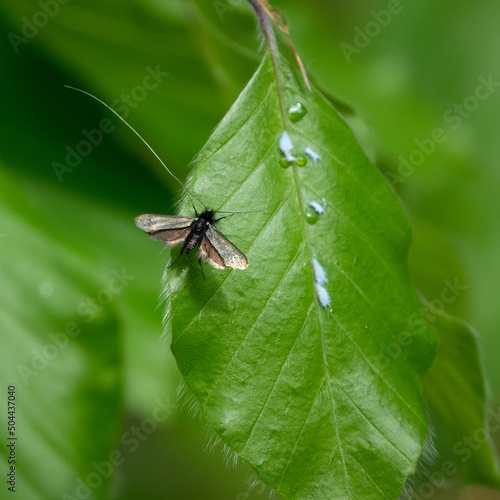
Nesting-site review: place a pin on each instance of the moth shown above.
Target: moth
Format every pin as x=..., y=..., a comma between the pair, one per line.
x=190, y=232
x=194, y=232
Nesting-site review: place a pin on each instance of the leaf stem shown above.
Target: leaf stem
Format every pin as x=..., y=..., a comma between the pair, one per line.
x=268, y=31
x=279, y=20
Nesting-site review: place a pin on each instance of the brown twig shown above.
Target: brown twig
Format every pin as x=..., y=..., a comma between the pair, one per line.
x=278, y=19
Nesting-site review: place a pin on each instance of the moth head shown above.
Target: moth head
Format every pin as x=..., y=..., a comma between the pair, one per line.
x=208, y=216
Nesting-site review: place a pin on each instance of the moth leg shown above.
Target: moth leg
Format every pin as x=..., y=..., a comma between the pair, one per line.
x=220, y=218
x=194, y=208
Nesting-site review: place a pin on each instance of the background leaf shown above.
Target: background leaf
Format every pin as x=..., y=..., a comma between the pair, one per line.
x=59, y=401
x=461, y=431
x=298, y=389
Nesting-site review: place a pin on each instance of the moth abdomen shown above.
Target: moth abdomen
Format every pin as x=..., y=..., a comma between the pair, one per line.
x=195, y=236
x=192, y=242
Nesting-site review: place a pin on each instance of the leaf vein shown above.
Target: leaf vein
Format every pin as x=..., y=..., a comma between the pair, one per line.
x=271, y=216
x=237, y=129
x=348, y=171
x=301, y=430
x=375, y=427
x=368, y=475
x=375, y=370
x=250, y=329
x=278, y=375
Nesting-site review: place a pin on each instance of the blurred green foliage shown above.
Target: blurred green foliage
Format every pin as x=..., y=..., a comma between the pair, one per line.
x=61, y=240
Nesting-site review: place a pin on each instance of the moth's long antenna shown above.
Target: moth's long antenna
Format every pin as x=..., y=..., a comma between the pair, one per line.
x=136, y=133
x=249, y=212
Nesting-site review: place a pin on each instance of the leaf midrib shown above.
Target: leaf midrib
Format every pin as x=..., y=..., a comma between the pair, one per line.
x=288, y=127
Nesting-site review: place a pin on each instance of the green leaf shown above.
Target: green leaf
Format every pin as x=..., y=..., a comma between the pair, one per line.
x=311, y=396
x=455, y=395
x=54, y=324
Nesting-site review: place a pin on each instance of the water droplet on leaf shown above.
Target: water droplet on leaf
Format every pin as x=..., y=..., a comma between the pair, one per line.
x=311, y=216
x=296, y=112
x=301, y=161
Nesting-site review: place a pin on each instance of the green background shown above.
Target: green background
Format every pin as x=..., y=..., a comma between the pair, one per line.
x=61, y=241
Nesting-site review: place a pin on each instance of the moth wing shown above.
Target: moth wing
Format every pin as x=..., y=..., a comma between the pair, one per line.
x=151, y=223
x=171, y=237
x=208, y=253
x=171, y=230
x=216, y=249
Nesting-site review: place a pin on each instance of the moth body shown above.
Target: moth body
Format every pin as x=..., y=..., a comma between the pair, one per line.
x=194, y=232
x=198, y=228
